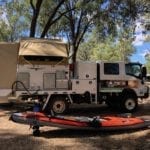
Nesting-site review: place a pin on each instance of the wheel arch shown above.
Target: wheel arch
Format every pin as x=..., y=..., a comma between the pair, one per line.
x=65, y=96
x=129, y=92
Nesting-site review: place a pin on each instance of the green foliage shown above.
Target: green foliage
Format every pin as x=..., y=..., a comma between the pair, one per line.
x=147, y=38
x=104, y=16
x=148, y=64
x=4, y=31
x=85, y=50
x=106, y=50
x=113, y=49
x=13, y=23
x=147, y=26
x=146, y=18
x=80, y=18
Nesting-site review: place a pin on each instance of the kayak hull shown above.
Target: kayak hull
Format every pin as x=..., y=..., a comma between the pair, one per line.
x=83, y=123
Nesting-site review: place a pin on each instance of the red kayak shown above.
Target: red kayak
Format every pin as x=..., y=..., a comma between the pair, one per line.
x=37, y=119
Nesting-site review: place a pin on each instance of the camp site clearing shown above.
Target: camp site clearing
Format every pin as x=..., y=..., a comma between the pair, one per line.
x=17, y=136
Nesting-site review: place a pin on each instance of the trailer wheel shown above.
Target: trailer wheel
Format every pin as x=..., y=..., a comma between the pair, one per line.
x=36, y=131
x=129, y=103
x=59, y=105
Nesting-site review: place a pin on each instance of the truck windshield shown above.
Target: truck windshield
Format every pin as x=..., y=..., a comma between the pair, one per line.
x=133, y=69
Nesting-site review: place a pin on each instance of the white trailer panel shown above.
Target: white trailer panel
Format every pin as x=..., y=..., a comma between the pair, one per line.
x=81, y=86
x=86, y=70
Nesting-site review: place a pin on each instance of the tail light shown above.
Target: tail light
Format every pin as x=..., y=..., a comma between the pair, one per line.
x=71, y=67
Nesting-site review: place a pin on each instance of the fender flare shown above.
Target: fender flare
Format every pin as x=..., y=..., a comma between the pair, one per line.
x=130, y=92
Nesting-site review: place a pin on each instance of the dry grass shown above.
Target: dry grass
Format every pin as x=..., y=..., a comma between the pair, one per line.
x=18, y=137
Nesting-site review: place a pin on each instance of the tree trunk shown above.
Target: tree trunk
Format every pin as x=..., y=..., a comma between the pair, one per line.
x=74, y=58
x=36, y=10
x=73, y=52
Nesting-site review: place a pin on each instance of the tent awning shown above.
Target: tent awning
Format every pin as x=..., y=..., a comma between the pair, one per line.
x=42, y=47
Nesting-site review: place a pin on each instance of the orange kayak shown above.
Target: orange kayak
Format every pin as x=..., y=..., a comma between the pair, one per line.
x=81, y=122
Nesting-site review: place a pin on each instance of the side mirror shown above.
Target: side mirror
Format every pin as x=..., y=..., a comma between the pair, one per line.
x=144, y=72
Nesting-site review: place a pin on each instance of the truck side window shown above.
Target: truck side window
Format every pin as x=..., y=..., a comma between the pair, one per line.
x=133, y=70
x=111, y=68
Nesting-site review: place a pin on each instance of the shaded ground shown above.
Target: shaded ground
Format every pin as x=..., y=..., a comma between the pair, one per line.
x=15, y=136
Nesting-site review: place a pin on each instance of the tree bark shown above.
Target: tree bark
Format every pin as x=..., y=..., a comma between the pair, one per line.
x=36, y=10
x=73, y=58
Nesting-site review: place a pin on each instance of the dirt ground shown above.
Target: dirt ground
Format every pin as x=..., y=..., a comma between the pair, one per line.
x=15, y=136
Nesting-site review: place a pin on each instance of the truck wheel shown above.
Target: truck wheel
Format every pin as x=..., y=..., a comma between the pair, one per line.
x=59, y=105
x=129, y=104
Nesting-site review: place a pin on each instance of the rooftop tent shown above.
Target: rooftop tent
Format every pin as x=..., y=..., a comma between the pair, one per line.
x=8, y=64
x=42, y=51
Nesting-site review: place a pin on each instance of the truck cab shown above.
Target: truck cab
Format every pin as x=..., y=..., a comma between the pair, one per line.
x=121, y=84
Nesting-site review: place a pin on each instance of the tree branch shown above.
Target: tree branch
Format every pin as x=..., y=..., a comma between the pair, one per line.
x=82, y=34
x=59, y=17
x=79, y=25
x=71, y=21
x=32, y=5
x=47, y=26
